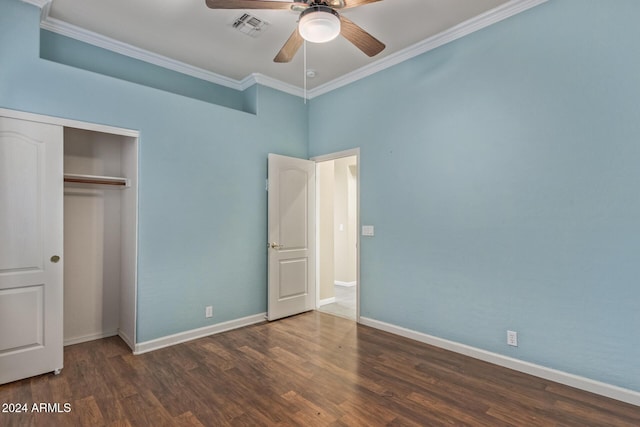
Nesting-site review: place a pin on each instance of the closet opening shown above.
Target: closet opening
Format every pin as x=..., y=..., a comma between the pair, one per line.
x=100, y=235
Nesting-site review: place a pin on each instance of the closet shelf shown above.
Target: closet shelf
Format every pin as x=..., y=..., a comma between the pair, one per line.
x=113, y=181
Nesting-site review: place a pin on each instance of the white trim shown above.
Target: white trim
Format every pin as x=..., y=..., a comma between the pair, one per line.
x=90, y=337
x=345, y=284
x=479, y=22
x=582, y=383
x=63, y=28
x=86, y=36
x=326, y=301
x=127, y=339
x=338, y=155
x=486, y=19
x=39, y=3
x=44, y=5
x=193, y=334
x=23, y=115
x=272, y=83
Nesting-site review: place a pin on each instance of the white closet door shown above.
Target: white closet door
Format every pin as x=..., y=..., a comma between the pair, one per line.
x=31, y=218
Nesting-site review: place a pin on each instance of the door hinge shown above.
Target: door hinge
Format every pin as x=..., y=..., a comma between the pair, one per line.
x=266, y=184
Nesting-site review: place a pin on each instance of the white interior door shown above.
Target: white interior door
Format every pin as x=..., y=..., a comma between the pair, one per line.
x=31, y=218
x=291, y=243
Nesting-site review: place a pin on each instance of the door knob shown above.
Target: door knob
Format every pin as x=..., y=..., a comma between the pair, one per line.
x=55, y=259
x=274, y=245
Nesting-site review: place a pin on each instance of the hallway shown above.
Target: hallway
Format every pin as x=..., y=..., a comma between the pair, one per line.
x=345, y=303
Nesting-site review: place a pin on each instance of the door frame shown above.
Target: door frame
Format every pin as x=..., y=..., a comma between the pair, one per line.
x=324, y=158
x=132, y=272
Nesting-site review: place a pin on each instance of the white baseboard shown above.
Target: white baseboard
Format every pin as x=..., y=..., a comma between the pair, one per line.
x=127, y=339
x=582, y=383
x=346, y=284
x=90, y=337
x=193, y=334
x=326, y=301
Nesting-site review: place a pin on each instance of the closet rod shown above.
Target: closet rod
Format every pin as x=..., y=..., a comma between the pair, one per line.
x=94, y=181
x=90, y=179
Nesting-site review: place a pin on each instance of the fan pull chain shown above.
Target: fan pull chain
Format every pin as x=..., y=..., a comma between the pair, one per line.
x=304, y=51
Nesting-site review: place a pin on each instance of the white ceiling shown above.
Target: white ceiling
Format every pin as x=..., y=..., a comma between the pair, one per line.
x=189, y=32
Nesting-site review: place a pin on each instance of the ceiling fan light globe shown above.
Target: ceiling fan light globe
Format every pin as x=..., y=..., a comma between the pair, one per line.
x=319, y=25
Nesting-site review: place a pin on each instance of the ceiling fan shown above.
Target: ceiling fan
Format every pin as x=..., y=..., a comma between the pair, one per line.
x=319, y=22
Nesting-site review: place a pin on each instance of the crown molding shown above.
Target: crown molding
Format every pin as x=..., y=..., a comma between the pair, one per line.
x=63, y=28
x=479, y=22
x=95, y=39
x=486, y=19
x=263, y=80
x=39, y=3
x=44, y=5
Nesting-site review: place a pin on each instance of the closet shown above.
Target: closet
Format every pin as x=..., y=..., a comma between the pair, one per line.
x=100, y=215
x=68, y=238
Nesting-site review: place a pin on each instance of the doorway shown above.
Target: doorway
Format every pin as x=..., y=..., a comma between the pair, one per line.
x=337, y=236
x=49, y=227
x=100, y=211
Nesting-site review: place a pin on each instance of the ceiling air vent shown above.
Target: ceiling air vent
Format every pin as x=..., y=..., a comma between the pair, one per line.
x=250, y=25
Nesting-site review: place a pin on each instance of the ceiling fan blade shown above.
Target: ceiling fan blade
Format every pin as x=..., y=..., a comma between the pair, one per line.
x=360, y=38
x=251, y=4
x=354, y=3
x=290, y=47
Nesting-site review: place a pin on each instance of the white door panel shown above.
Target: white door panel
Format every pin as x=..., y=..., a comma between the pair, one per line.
x=19, y=222
x=30, y=235
x=24, y=305
x=293, y=210
x=291, y=236
x=293, y=273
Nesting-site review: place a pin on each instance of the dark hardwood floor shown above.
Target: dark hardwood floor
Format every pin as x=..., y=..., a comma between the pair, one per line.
x=309, y=370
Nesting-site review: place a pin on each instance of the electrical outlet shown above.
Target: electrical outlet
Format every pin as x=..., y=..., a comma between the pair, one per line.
x=208, y=311
x=512, y=338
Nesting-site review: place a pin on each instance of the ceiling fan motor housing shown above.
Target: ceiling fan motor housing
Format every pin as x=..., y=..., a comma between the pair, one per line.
x=336, y=4
x=319, y=23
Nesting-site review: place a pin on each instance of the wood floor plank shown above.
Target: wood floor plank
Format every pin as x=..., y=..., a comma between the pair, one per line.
x=119, y=423
x=111, y=409
x=312, y=369
x=60, y=389
x=88, y=412
x=187, y=420
x=309, y=412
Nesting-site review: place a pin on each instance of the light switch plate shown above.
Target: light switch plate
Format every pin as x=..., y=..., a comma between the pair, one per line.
x=367, y=230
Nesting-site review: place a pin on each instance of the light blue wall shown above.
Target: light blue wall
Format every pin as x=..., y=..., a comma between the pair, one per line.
x=65, y=50
x=501, y=172
x=202, y=206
